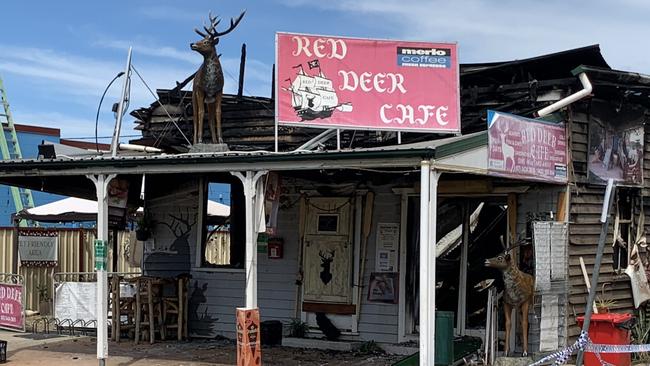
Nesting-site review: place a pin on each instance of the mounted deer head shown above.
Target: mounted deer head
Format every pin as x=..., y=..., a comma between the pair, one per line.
x=208, y=80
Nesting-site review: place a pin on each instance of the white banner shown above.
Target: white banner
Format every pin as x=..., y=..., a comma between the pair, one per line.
x=76, y=300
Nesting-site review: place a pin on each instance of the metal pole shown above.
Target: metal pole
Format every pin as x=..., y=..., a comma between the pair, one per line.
x=462, y=281
x=120, y=108
x=604, y=219
x=249, y=180
x=101, y=184
x=431, y=263
x=14, y=258
x=427, y=287
x=338, y=139
x=424, y=269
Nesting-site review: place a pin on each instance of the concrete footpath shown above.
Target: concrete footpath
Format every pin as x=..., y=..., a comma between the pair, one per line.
x=26, y=349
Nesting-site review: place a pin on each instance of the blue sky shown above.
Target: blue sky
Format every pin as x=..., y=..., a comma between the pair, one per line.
x=57, y=57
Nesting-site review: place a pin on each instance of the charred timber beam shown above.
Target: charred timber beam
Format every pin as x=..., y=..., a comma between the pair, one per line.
x=242, y=67
x=176, y=90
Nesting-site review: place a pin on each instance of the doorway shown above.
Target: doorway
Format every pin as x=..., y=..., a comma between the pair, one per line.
x=328, y=260
x=488, y=223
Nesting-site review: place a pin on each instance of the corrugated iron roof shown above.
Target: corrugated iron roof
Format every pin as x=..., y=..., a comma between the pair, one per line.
x=427, y=149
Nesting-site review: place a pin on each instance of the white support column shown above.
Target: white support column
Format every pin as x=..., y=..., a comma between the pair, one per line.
x=101, y=184
x=250, y=180
x=428, y=216
x=462, y=279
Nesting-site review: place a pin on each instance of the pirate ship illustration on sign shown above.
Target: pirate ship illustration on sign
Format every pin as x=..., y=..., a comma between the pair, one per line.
x=313, y=95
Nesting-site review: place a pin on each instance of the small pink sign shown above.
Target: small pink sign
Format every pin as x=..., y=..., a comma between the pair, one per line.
x=526, y=149
x=11, y=306
x=338, y=82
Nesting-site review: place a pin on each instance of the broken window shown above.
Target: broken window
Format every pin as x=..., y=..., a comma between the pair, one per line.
x=224, y=221
x=623, y=230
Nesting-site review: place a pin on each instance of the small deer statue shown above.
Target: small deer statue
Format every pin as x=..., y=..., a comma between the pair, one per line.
x=518, y=293
x=208, y=80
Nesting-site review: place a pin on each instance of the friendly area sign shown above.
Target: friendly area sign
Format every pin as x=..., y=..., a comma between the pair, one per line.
x=36, y=249
x=11, y=307
x=527, y=149
x=340, y=82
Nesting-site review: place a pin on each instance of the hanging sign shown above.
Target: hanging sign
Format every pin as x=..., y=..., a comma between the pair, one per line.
x=527, y=149
x=11, y=307
x=38, y=248
x=616, y=150
x=118, y=194
x=339, y=82
x=101, y=255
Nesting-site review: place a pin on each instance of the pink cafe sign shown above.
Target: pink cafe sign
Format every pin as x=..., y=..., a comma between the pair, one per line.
x=528, y=149
x=337, y=82
x=11, y=307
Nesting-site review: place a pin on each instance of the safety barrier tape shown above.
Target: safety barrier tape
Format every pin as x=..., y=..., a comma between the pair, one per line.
x=584, y=343
x=608, y=348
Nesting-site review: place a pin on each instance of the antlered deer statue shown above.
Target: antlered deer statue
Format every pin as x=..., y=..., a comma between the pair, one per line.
x=208, y=80
x=518, y=293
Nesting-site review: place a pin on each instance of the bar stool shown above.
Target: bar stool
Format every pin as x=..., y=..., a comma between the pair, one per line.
x=122, y=306
x=175, y=307
x=148, y=308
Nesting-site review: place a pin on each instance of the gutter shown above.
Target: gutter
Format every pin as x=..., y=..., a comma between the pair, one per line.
x=587, y=88
x=49, y=164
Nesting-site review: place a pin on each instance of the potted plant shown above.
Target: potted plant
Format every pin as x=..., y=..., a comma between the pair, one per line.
x=298, y=328
x=44, y=300
x=143, y=228
x=604, y=303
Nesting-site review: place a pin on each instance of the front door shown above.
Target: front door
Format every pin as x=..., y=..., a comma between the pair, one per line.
x=327, y=251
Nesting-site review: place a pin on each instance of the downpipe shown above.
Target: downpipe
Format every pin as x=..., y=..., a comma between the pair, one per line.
x=587, y=88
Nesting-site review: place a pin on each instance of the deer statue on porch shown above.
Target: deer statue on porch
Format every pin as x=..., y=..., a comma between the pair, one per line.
x=208, y=84
x=518, y=293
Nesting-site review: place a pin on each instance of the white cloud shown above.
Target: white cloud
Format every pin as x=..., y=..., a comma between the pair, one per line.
x=257, y=73
x=509, y=29
x=77, y=82
x=149, y=49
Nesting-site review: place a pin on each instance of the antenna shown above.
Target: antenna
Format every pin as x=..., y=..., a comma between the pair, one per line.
x=126, y=86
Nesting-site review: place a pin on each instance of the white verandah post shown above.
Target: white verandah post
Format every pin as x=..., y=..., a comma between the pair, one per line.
x=428, y=214
x=250, y=180
x=101, y=184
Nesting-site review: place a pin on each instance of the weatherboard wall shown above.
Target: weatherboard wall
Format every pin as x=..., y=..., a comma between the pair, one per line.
x=584, y=228
x=214, y=294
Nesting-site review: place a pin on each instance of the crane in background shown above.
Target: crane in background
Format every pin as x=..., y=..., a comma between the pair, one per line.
x=10, y=149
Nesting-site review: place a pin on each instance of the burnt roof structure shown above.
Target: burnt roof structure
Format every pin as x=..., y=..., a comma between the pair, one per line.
x=520, y=87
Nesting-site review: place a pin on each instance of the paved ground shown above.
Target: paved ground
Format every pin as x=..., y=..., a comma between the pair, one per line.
x=27, y=350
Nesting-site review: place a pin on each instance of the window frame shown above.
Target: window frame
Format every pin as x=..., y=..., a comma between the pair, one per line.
x=200, y=264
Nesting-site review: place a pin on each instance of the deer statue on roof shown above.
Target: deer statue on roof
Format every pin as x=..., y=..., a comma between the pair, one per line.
x=518, y=293
x=208, y=80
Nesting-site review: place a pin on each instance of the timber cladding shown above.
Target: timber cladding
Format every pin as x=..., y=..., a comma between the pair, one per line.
x=584, y=229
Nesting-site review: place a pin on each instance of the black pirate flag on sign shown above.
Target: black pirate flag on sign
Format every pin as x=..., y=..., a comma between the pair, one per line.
x=313, y=64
